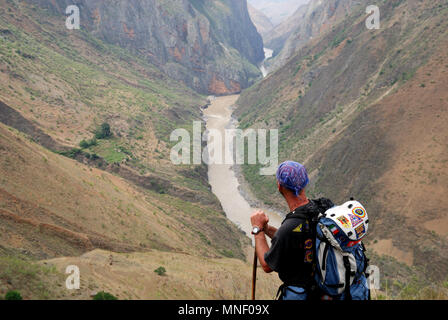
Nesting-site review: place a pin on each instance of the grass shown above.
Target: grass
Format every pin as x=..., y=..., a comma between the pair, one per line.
x=13, y=295
x=111, y=150
x=32, y=280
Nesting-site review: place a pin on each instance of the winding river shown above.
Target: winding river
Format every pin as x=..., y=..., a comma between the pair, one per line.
x=222, y=177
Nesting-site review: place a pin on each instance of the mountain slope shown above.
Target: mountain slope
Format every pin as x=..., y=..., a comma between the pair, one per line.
x=308, y=22
x=64, y=193
x=61, y=86
x=260, y=20
x=72, y=208
x=276, y=38
x=365, y=111
x=212, y=46
x=132, y=276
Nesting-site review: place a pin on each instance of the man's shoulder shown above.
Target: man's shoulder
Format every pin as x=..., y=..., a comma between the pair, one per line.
x=293, y=222
x=290, y=227
x=314, y=207
x=323, y=204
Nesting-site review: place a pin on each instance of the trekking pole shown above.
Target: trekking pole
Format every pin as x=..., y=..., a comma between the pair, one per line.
x=254, y=273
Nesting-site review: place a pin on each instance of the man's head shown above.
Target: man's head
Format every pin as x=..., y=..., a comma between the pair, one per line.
x=292, y=179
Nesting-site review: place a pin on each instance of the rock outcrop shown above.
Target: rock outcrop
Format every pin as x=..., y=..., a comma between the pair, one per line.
x=212, y=46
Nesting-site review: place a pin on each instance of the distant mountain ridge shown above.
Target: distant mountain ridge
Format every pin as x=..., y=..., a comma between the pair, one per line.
x=277, y=10
x=260, y=20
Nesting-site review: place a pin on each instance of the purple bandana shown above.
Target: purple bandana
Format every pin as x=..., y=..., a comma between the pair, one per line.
x=292, y=175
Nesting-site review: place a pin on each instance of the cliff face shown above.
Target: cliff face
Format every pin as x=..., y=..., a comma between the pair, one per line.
x=212, y=46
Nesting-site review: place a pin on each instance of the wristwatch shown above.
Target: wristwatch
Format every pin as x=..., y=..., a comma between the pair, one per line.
x=256, y=230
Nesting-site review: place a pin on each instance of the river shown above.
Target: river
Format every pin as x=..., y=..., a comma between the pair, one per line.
x=222, y=177
x=267, y=55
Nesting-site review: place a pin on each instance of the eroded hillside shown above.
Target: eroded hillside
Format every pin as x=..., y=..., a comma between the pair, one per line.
x=85, y=163
x=365, y=110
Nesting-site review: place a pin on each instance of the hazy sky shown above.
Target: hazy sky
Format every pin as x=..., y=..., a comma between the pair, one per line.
x=277, y=10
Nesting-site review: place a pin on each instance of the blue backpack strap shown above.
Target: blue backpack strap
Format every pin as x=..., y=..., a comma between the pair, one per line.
x=366, y=264
x=347, y=293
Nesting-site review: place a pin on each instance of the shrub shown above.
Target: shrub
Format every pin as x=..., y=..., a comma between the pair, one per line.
x=104, y=296
x=72, y=153
x=87, y=144
x=13, y=295
x=84, y=144
x=103, y=132
x=227, y=253
x=160, y=271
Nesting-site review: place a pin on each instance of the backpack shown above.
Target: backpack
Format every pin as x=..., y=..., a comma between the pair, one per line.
x=340, y=259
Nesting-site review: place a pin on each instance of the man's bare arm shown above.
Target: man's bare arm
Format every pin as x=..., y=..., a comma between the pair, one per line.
x=260, y=219
x=262, y=247
x=270, y=231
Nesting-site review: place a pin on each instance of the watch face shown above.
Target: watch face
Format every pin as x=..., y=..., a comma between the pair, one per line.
x=256, y=230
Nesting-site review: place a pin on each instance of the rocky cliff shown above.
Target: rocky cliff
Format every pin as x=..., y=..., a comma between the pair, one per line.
x=212, y=46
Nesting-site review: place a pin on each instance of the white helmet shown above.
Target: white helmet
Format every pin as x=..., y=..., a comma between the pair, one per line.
x=351, y=218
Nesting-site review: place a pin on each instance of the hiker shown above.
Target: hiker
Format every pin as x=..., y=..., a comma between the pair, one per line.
x=292, y=249
x=318, y=251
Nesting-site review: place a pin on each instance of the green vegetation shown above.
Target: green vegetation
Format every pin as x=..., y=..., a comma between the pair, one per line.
x=227, y=253
x=111, y=150
x=72, y=153
x=103, y=132
x=13, y=295
x=28, y=278
x=160, y=271
x=87, y=144
x=104, y=296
